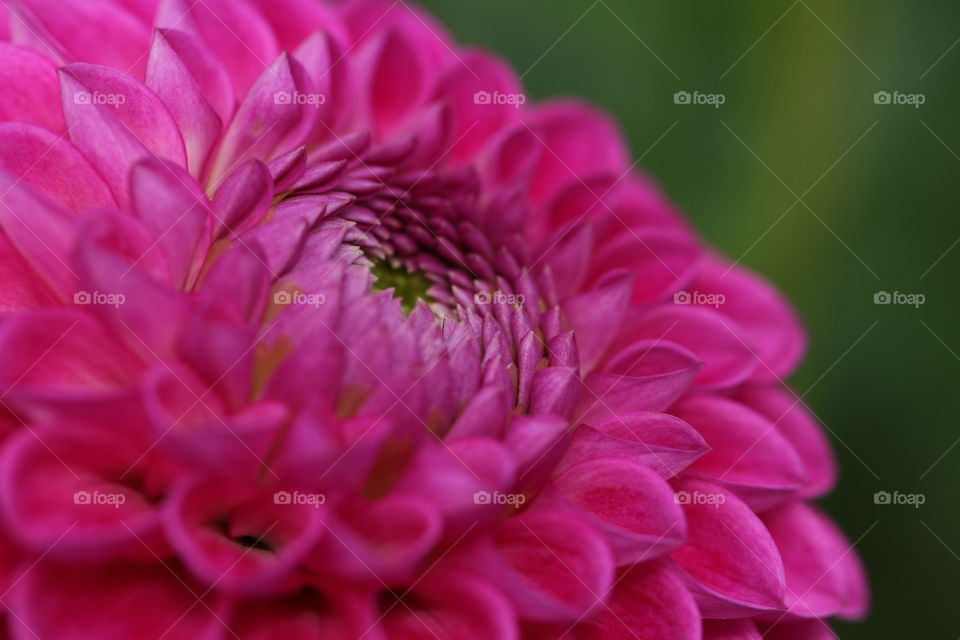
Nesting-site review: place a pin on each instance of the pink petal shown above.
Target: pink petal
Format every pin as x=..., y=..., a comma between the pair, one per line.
x=730, y=630
x=52, y=166
x=596, y=316
x=174, y=83
x=795, y=422
x=769, y=323
x=396, y=79
x=111, y=35
x=232, y=29
x=577, y=140
x=629, y=503
x=30, y=88
x=747, y=453
x=732, y=563
x=649, y=602
x=728, y=361
x=243, y=198
x=804, y=630
x=70, y=603
x=115, y=136
x=662, y=442
x=824, y=573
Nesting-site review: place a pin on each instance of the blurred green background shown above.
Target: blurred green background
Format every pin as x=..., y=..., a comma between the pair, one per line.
x=879, y=213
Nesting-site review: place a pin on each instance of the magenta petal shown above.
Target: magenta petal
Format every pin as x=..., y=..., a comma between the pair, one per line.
x=173, y=206
x=552, y=566
x=596, y=315
x=648, y=376
x=243, y=198
x=111, y=35
x=747, y=454
x=67, y=603
x=31, y=91
x=629, y=503
x=795, y=422
x=73, y=494
x=663, y=442
x=395, y=76
x=728, y=361
x=769, y=323
x=52, y=166
x=649, y=602
x=824, y=574
x=117, y=121
x=730, y=630
x=171, y=78
x=732, y=562
x=243, y=540
x=803, y=630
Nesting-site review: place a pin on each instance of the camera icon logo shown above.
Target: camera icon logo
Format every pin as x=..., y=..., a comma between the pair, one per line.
x=881, y=97
x=682, y=297
x=81, y=97
x=81, y=497
x=482, y=497
x=282, y=97
x=681, y=497
x=882, y=497
x=282, y=497
x=282, y=297
x=882, y=297
x=82, y=297
x=482, y=97
x=482, y=297
x=681, y=97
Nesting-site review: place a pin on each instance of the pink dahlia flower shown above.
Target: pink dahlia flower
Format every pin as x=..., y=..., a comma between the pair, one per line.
x=313, y=327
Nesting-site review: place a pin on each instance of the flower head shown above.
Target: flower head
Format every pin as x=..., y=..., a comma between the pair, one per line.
x=314, y=326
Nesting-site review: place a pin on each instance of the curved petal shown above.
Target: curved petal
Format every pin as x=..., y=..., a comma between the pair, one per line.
x=732, y=563
x=31, y=91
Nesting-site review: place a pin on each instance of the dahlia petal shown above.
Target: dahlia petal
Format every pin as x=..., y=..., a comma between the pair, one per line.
x=662, y=442
x=174, y=208
x=747, y=453
x=395, y=77
x=312, y=614
x=282, y=238
x=824, y=574
x=478, y=121
x=568, y=256
x=171, y=78
x=23, y=288
x=271, y=99
x=381, y=541
x=769, y=323
x=67, y=603
x=554, y=391
x=31, y=91
x=52, y=166
x=629, y=503
x=732, y=563
x=240, y=281
x=649, y=602
x=40, y=231
x=243, y=198
x=232, y=29
x=803, y=630
x=552, y=566
x=588, y=198
x=483, y=416
x=728, y=361
x=114, y=138
x=244, y=541
x=577, y=139
x=362, y=16
x=70, y=493
x=649, y=376
x=794, y=421
x=536, y=444
x=596, y=315
x=730, y=630
x=329, y=67
x=450, y=606
x=294, y=21
x=110, y=36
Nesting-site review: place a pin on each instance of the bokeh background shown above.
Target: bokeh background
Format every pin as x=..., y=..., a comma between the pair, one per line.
x=802, y=176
